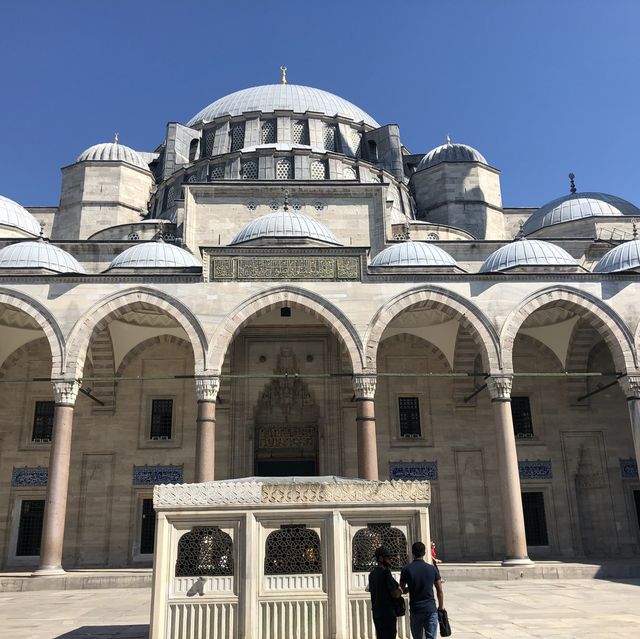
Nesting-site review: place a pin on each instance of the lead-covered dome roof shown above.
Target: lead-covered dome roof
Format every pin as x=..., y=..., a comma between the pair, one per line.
x=16, y=216
x=112, y=152
x=577, y=206
x=527, y=253
x=155, y=255
x=413, y=254
x=285, y=225
x=451, y=152
x=282, y=97
x=38, y=255
x=625, y=257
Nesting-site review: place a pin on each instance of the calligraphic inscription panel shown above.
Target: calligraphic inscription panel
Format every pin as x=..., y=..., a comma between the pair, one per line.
x=286, y=268
x=286, y=437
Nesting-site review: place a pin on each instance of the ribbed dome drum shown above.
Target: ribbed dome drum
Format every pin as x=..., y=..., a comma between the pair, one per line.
x=111, y=152
x=155, y=255
x=16, y=216
x=37, y=255
x=450, y=152
x=625, y=257
x=413, y=254
x=527, y=253
x=283, y=225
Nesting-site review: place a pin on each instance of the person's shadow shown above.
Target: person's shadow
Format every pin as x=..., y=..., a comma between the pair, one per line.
x=136, y=631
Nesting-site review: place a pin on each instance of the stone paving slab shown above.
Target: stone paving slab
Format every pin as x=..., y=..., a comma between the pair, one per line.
x=575, y=609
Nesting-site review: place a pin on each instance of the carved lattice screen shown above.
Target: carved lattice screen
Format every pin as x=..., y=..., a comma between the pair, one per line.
x=366, y=540
x=205, y=552
x=292, y=550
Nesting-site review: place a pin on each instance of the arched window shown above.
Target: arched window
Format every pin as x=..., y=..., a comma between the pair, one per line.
x=236, y=133
x=268, y=132
x=318, y=170
x=193, y=149
x=284, y=169
x=300, y=132
x=373, y=151
x=292, y=550
x=330, y=137
x=366, y=540
x=205, y=552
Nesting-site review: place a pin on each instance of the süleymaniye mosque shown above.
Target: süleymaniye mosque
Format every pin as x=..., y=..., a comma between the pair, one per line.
x=281, y=339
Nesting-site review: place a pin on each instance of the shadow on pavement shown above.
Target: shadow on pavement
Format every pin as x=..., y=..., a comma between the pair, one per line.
x=139, y=631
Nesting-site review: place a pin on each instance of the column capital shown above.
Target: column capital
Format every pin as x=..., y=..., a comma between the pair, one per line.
x=500, y=387
x=65, y=391
x=630, y=385
x=207, y=388
x=364, y=386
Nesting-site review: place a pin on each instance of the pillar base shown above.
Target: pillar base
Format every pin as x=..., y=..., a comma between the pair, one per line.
x=517, y=562
x=54, y=571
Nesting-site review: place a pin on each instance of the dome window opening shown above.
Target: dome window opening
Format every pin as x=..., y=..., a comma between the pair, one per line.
x=249, y=170
x=329, y=137
x=300, y=132
x=172, y=196
x=285, y=311
x=349, y=173
x=319, y=170
x=284, y=169
x=269, y=132
x=209, y=137
x=193, y=150
x=373, y=151
x=217, y=172
x=356, y=142
x=237, y=136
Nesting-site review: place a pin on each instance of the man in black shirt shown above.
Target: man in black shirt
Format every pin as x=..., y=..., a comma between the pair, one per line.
x=383, y=589
x=418, y=579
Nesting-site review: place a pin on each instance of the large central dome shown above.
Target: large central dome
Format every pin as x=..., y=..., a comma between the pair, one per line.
x=282, y=97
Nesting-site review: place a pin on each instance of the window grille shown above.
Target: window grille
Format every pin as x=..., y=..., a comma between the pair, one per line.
x=161, y=418
x=147, y=527
x=292, y=550
x=193, y=149
x=319, y=206
x=217, y=172
x=133, y=236
x=521, y=414
x=300, y=132
x=252, y=206
x=171, y=197
x=329, y=137
x=249, y=170
x=193, y=177
x=318, y=170
x=269, y=132
x=367, y=540
x=237, y=136
x=43, y=422
x=205, y=552
x=433, y=236
x=535, y=521
x=274, y=205
x=30, y=528
x=209, y=137
x=284, y=169
x=409, y=410
x=356, y=142
x=296, y=206
x=349, y=173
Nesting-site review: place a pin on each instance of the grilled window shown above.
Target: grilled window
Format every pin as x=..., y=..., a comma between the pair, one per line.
x=535, y=521
x=43, y=422
x=147, y=527
x=367, y=540
x=349, y=173
x=284, y=169
x=318, y=170
x=193, y=150
x=205, y=551
x=409, y=411
x=521, y=413
x=161, y=418
x=217, y=172
x=237, y=136
x=292, y=550
x=269, y=132
x=329, y=135
x=356, y=141
x=249, y=170
x=30, y=528
x=300, y=132
x=209, y=137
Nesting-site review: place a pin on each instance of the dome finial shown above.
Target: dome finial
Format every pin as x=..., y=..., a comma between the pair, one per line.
x=572, y=184
x=115, y=138
x=42, y=225
x=285, y=206
x=634, y=228
x=448, y=140
x=283, y=74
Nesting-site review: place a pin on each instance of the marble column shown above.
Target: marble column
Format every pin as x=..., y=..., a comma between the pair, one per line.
x=365, y=390
x=55, y=511
x=631, y=387
x=515, y=541
x=206, y=392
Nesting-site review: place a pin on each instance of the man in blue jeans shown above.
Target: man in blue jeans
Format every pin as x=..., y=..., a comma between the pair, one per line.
x=418, y=579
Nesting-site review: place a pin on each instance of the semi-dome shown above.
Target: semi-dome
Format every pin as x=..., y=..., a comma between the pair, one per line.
x=282, y=97
x=155, y=255
x=451, y=152
x=527, y=253
x=112, y=152
x=413, y=254
x=577, y=206
x=38, y=255
x=285, y=225
x=625, y=257
x=16, y=216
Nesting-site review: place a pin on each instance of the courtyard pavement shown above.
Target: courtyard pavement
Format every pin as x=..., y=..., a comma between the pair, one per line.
x=549, y=609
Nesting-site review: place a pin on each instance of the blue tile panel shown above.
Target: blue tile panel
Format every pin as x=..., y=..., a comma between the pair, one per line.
x=539, y=469
x=27, y=477
x=413, y=470
x=151, y=475
x=629, y=468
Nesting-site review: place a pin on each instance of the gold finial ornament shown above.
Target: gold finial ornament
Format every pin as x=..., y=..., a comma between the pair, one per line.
x=572, y=184
x=283, y=74
x=115, y=138
x=286, y=200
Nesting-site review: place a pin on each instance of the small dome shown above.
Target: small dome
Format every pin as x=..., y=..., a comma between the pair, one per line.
x=282, y=97
x=155, y=255
x=625, y=257
x=577, y=206
x=413, y=254
x=35, y=255
x=450, y=152
x=112, y=152
x=526, y=253
x=12, y=214
x=282, y=225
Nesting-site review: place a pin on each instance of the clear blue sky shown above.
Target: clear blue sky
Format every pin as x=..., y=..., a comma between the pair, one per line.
x=540, y=87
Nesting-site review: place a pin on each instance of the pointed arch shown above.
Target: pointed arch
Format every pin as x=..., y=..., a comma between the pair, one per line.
x=265, y=301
